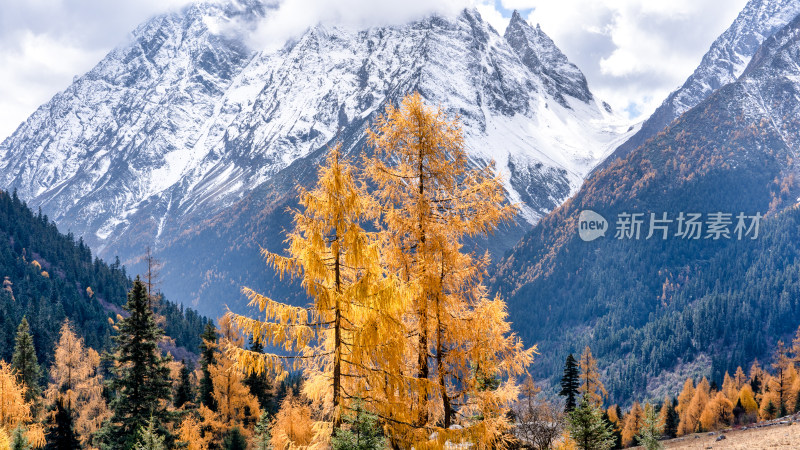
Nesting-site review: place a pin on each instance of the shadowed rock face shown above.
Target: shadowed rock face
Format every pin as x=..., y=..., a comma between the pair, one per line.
x=541, y=56
x=185, y=130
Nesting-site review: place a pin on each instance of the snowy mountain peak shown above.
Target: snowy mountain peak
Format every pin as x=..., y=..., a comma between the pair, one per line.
x=186, y=119
x=724, y=62
x=540, y=54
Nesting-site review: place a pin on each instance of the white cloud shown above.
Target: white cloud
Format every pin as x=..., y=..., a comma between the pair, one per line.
x=293, y=17
x=633, y=52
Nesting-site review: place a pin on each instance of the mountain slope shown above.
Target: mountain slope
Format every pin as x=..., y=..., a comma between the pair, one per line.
x=649, y=306
x=186, y=124
x=48, y=277
x=722, y=64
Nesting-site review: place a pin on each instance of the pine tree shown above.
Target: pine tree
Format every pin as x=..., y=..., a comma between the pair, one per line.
x=669, y=417
x=616, y=432
x=62, y=435
x=362, y=432
x=207, y=358
x=587, y=428
x=19, y=439
x=261, y=436
x=185, y=392
x=591, y=386
x=149, y=438
x=570, y=383
x=25, y=362
x=651, y=430
x=141, y=382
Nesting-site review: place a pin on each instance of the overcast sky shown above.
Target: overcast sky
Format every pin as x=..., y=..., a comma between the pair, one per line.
x=633, y=52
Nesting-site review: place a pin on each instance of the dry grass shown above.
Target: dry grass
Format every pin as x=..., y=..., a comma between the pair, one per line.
x=778, y=434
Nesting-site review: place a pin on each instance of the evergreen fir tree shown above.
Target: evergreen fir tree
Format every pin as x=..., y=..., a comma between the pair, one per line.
x=651, y=430
x=62, y=436
x=671, y=421
x=234, y=440
x=149, y=439
x=755, y=384
x=18, y=439
x=261, y=436
x=25, y=362
x=570, y=383
x=207, y=359
x=185, y=392
x=141, y=381
x=771, y=410
x=587, y=428
x=258, y=383
x=361, y=433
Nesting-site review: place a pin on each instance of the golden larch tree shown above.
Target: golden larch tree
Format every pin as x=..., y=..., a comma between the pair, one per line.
x=739, y=378
x=430, y=202
x=591, y=387
x=348, y=336
x=235, y=404
x=685, y=397
x=717, y=413
x=747, y=399
x=190, y=434
x=779, y=383
x=633, y=423
x=14, y=410
x=729, y=388
x=690, y=420
x=76, y=383
x=292, y=427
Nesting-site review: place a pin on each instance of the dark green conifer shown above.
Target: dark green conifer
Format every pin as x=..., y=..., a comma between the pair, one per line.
x=207, y=358
x=570, y=383
x=25, y=362
x=141, y=379
x=185, y=392
x=62, y=434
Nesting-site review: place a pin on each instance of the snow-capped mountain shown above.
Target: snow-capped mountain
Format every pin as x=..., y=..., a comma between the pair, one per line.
x=185, y=121
x=722, y=64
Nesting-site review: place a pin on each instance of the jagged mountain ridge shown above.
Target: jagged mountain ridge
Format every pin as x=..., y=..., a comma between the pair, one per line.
x=722, y=64
x=653, y=308
x=185, y=122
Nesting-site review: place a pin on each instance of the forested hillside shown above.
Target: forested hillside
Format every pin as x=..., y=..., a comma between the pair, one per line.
x=47, y=276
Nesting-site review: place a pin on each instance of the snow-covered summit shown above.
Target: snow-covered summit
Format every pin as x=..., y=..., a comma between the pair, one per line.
x=722, y=64
x=185, y=119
